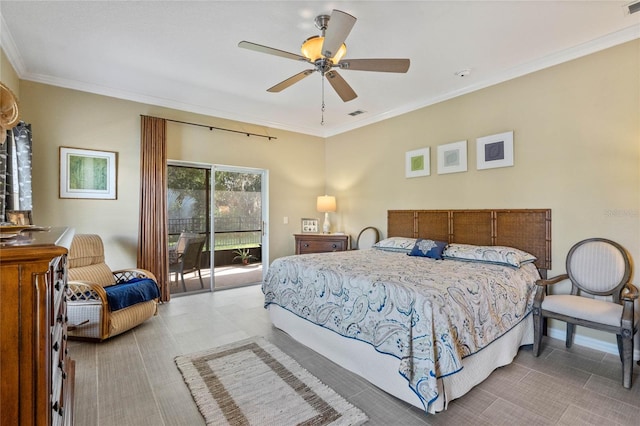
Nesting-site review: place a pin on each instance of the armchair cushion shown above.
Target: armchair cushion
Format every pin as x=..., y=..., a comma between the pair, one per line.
x=585, y=308
x=131, y=292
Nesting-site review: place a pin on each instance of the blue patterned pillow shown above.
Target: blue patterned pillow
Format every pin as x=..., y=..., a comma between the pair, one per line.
x=489, y=254
x=428, y=248
x=398, y=244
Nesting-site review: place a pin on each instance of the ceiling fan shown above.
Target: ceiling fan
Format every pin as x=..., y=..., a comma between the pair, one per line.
x=326, y=52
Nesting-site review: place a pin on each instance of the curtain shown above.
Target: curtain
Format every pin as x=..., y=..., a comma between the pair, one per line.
x=153, y=249
x=15, y=170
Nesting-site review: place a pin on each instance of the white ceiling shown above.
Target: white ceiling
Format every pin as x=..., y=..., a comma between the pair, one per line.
x=184, y=55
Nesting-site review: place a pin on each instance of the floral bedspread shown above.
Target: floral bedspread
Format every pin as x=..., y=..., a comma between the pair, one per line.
x=428, y=313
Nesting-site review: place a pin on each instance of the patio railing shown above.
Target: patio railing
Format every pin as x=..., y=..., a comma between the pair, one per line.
x=231, y=232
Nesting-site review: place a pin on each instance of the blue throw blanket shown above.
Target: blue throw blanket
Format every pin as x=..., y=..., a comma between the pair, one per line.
x=131, y=292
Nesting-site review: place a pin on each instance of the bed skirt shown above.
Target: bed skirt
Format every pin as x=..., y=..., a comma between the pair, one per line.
x=382, y=370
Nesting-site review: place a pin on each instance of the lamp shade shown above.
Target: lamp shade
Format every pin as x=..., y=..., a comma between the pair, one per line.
x=312, y=50
x=326, y=203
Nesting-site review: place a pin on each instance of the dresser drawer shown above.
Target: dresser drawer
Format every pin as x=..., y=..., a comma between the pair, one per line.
x=321, y=243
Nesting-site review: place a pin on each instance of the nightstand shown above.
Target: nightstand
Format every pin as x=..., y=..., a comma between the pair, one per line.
x=320, y=243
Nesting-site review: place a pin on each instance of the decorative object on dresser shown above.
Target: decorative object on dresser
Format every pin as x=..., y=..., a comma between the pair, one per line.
x=600, y=268
x=309, y=226
x=104, y=303
x=223, y=382
x=326, y=204
x=19, y=217
x=36, y=369
x=321, y=243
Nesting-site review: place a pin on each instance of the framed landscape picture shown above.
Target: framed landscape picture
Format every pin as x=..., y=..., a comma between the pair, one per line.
x=86, y=173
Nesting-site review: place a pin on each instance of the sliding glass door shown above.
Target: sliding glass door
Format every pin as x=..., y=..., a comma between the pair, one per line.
x=228, y=206
x=239, y=225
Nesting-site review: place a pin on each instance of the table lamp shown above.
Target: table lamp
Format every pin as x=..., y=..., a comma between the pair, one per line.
x=326, y=204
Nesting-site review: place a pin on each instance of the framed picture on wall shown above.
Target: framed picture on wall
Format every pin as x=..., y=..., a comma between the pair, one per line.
x=495, y=151
x=417, y=163
x=86, y=173
x=309, y=226
x=452, y=157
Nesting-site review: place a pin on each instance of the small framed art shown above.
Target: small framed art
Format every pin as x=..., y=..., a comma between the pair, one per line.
x=417, y=163
x=452, y=157
x=19, y=217
x=86, y=173
x=309, y=226
x=495, y=151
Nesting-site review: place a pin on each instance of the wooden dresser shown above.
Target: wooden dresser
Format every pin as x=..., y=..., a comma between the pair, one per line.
x=37, y=373
x=320, y=243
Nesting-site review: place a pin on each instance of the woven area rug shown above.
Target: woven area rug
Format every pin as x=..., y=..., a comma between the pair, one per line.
x=252, y=382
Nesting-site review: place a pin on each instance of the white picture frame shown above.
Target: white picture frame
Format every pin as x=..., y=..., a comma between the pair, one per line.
x=86, y=173
x=309, y=226
x=452, y=157
x=417, y=163
x=495, y=151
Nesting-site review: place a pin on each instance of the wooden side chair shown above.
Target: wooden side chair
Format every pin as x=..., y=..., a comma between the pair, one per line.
x=601, y=297
x=367, y=238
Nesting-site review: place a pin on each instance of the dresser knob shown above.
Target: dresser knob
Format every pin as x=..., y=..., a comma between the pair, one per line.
x=306, y=244
x=335, y=246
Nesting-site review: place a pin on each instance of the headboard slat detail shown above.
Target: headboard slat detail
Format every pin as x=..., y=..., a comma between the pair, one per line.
x=525, y=229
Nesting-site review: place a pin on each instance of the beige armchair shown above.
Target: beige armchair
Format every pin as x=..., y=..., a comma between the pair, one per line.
x=601, y=298
x=93, y=313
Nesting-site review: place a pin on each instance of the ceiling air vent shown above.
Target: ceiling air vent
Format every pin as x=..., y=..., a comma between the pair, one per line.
x=634, y=7
x=356, y=112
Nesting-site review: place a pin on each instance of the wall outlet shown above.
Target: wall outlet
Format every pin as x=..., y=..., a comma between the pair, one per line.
x=285, y=220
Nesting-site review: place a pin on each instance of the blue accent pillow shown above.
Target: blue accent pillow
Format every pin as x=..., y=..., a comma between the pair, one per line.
x=428, y=248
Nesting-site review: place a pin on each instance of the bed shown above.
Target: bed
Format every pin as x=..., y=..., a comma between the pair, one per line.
x=423, y=329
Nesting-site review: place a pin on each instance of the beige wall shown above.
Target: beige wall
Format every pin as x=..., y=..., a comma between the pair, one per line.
x=577, y=151
x=62, y=117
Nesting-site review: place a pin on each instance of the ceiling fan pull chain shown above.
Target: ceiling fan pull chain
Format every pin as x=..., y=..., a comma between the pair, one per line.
x=322, y=120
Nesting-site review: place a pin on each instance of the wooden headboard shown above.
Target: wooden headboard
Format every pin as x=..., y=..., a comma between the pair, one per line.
x=525, y=229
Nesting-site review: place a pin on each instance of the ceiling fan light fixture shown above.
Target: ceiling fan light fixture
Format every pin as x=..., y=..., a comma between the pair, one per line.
x=312, y=50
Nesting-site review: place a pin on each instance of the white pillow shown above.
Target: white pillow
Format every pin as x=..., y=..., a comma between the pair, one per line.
x=398, y=244
x=489, y=254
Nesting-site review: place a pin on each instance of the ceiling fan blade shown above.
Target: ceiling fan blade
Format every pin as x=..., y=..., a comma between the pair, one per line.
x=341, y=86
x=381, y=65
x=290, y=81
x=270, y=50
x=338, y=28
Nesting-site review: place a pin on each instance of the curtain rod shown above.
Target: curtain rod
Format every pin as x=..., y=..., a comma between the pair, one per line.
x=221, y=128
